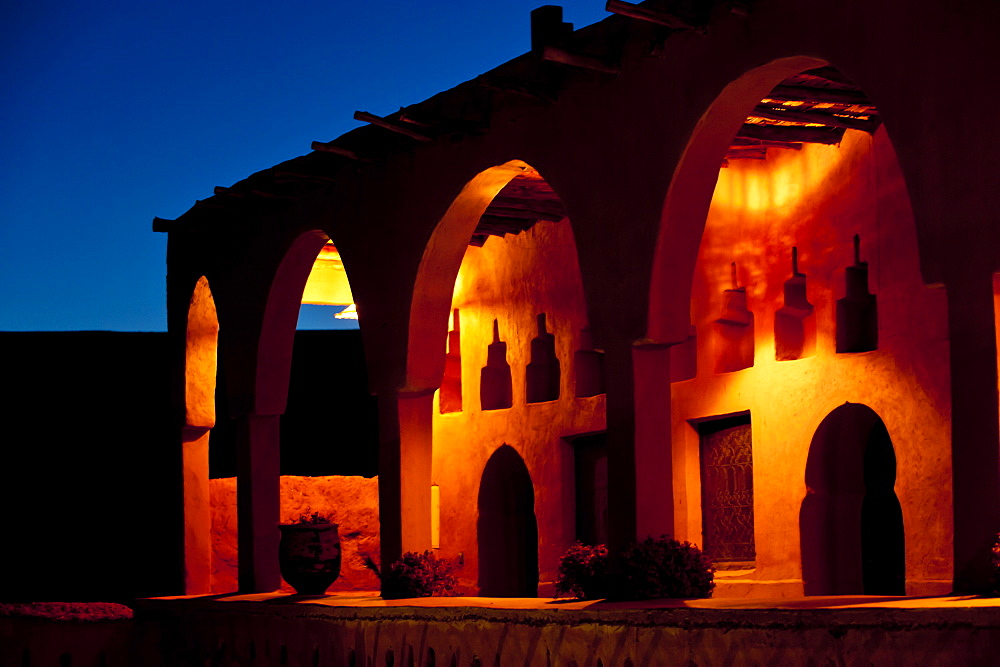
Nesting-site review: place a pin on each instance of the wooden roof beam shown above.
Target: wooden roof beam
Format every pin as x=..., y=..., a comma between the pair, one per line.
x=324, y=147
x=657, y=16
x=562, y=56
x=745, y=141
x=828, y=119
x=810, y=94
x=792, y=133
x=392, y=126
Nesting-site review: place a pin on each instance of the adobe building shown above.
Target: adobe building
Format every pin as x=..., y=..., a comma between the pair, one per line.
x=729, y=273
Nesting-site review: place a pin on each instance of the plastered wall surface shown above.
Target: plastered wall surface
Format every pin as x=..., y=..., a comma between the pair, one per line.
x=351, y=501
x=817, y=199
x=512, y=280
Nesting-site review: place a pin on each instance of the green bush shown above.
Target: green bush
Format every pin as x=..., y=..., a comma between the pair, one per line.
x=663, y=568
x=416, y=575
x=583, y=572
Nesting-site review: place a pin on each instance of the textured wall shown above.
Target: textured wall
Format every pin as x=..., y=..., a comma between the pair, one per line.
x=513, y=280
x=817, y=199
x=352, y=501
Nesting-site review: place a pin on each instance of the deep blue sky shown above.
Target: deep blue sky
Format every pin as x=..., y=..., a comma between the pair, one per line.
x=115, y=111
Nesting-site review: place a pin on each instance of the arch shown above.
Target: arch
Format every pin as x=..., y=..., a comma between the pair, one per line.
x=851, y=523
x=200, y=369
x=685, y=208
x=274, y=352
x=442, y=257
x=507, y=528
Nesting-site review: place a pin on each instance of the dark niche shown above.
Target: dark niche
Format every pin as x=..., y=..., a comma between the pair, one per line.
x=495, y=385
x=857, y=313
x=588, y=367
x=450, y=399
x=542, y=376
x=735, y=330
x=794, y=324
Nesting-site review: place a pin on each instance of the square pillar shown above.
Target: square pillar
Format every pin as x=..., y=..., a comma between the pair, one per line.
x=258, y=445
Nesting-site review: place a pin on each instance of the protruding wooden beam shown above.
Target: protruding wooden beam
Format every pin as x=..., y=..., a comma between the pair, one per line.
x=517, y=87
x=564, y=57
x=548, y=27
x=657, y=16
x=164, y=225
x=792, y=133
x=220, y=190
x=828, y=119
x=270, y=195
x=324, y=147
x=391, y=126
x=810, y=94
x=293, y=176
x=746, y=141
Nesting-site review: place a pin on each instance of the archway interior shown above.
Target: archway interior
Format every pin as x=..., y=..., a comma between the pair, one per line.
x=806, y=293
x=328, y=430
x=507, y=528
x=851, y=523
x=519, y=367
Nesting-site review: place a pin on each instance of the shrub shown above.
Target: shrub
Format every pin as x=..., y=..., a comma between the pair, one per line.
x=583, y=572
x=663, y=568
x=995, y=563
x=415, y=575
x=315, y=518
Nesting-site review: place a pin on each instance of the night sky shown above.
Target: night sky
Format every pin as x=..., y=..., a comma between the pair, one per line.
x=114, y=112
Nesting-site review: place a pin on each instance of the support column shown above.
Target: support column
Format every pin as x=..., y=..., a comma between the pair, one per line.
x=258, y=469
x=620, y=412
x=197, y=511
x=404, y=483
x=654, y=480
x=975, y=441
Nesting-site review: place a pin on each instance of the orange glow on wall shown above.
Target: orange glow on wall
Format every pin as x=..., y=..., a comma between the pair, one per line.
x=816, y=200
x=327, y=284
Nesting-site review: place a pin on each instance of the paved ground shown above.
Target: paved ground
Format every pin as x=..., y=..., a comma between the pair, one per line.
x=372, y=599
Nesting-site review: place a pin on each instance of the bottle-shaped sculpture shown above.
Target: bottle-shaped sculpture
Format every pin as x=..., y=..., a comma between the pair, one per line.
x=588, y=367
x=495, y=386
x=542, y=376
x=450, y=398
x=857, y=313
x=794, y=324
x=735, y=329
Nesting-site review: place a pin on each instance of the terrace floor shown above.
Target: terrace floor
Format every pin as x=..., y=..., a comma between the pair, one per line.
x=363, y=629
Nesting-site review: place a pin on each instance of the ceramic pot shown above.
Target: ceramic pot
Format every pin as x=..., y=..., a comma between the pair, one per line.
x=309, y=556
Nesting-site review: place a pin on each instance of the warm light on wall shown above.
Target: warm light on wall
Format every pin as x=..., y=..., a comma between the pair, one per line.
x=327, y=284
x=435, y=516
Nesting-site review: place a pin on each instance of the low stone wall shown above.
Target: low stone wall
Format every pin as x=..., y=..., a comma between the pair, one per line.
x=37, y=641
x=283, y=632
x=351, y=501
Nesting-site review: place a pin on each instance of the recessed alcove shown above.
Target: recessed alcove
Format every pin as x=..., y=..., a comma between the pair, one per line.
x=542, y=374
x=588, y=368
x=857, y=312
x=450, y=398
x=495, y=384
x=734, y=330
x=794, y=324
x=684, y=357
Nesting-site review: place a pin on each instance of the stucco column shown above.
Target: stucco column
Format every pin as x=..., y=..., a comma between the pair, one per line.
x=975, y=447
x=404, y=480
x=620, y=411
x=197, y=511
x=258, y=447
x=654, y=501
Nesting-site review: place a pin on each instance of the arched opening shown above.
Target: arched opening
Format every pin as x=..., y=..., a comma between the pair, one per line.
x=200, y=366
x=507, y=528
x=519, y=363
x=787, y=278
x=321, y=446
x=851, y=523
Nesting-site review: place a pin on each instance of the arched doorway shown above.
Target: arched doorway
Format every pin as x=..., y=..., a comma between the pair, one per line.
x=851, y=523
x=507, y=528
